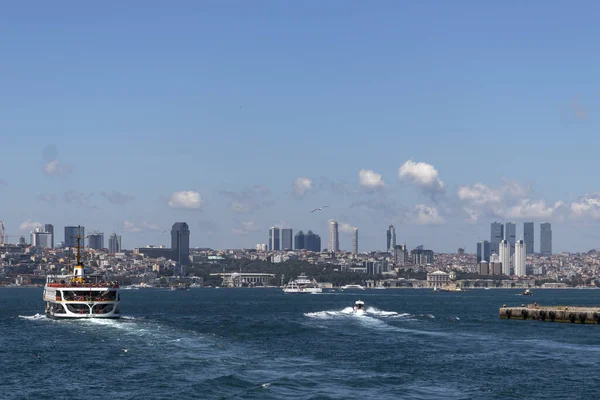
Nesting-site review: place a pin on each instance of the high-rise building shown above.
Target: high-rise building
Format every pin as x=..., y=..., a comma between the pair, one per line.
x=505, y=257
x=286, y=239
x=528, y=237
x=317, y=243
x=312, y=242
x=496, y=236
x=299, y=241
x=391, y=238
x=274, y=239
x=114, y=243
x=510, y=235
x=41, y=239
x=96, y=240
x=546, y=238
x=520, y=254
x=71, y=233
x=2, y=232
x=49, y=228
x=483, y=251
x=334, y=241
x=180, y=243
x=355, y=240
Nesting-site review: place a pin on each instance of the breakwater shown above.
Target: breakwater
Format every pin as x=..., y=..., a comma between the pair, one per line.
x=570, y=314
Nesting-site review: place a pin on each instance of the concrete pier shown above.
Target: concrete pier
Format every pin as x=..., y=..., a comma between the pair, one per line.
x=571, y=314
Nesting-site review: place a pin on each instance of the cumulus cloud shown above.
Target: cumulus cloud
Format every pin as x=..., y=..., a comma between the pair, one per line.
x=29, y=225
x=422, y=175
x=426, y=215
x=587, y=206
x=249, y=199
x=302, y=185
x=345, y=228
x=537, y=209
x=480, y=201
x=116, y=197
x=370, y=179
x=134, y=227
x=186, y=199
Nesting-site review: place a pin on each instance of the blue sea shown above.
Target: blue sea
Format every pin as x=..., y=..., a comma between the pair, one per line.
x=264, y=344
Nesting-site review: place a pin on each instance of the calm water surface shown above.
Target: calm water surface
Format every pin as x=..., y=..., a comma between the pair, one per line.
x=263, y=344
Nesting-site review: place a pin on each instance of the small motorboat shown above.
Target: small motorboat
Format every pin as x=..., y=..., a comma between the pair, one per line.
x=359, y=306
x=526, y=292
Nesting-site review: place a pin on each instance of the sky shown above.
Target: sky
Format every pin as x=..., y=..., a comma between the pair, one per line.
x=437, y=117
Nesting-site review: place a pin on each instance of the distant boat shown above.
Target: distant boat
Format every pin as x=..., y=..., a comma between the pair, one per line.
x=526, y=292
x=346, y=287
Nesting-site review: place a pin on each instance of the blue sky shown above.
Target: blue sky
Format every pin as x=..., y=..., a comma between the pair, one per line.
x=130, y=117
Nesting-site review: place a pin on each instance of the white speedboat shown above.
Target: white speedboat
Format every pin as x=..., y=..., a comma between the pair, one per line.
x=359, y=307
x=302, y=285
x=346, y=287
x=81, y=296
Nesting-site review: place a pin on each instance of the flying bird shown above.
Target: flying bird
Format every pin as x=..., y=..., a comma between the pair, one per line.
x=318, y=209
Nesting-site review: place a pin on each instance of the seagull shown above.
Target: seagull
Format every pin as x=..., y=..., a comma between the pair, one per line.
x=318, y=209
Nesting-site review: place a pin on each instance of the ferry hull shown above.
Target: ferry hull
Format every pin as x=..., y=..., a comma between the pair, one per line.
x=67, y=310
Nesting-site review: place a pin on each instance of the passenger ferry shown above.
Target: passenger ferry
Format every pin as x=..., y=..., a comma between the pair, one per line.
x=302, y=285
x=79, y=296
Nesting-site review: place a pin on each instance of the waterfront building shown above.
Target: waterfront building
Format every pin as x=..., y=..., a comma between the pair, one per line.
x=437, y=279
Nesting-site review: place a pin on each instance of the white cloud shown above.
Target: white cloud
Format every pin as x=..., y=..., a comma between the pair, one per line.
x=302, y=185
x=421, y=174
x=370, y=179
x=133, y=227
x=55, y=167
x=426, y=215
x=345, y=228
x=29, y=225
x=188, y=200
x=586, y=206
x=533, y=209
x=480, y=200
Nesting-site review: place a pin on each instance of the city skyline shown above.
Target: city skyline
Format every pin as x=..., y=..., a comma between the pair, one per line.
x=279, y=123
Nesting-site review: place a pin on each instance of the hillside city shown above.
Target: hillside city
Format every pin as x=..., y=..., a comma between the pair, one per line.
x=501, y=262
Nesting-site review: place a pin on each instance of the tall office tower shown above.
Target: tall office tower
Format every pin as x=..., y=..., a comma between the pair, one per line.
x=286, y=239
x=274, y=238
x=355, y=240
x=49, y=228
x=96, y=240
x=180, y=242
x=510, y=235
x=505, y=257
x=528, y=237
x=546, y=238
x=520, y=254
x=299, y=241
x=496, y=236
x=317, y=243
x=114, y=243
x=391, y=238
x=310, y=241
x=41, y=239
x=1, y=232
x=483, y=251
x=334, y=241
x=71, y=233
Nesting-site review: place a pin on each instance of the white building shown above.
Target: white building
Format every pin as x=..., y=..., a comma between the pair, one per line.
x=520, y=253
x=334, y=241
x=437, y=279
x=505, y=257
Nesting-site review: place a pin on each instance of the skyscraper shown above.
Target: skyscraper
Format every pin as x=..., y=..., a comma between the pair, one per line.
x=483, y=251
x=334, y=241
x=505, y=257
x=391, y=238
x=355, y=240
x=114, y=243
x=274, y=242
x=299, y=241
x=180, y=242
x=528, y=237
x=71, y=233
x=520, y=268
x=546, y=238
x=96, y=240
x=2, y=232
x=496, y=236
x=312, y=242
x=286, y=239
x=41, y=239
x=49, y=228
x=510, y=235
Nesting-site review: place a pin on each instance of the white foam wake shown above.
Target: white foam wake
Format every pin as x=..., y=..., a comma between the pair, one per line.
x=349, y=311
x=33, y=317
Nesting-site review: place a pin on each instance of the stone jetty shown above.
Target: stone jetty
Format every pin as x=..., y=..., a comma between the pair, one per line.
x=570, y=314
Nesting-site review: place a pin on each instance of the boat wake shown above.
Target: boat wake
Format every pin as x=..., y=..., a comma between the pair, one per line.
x=33, y=317
x=349, y=311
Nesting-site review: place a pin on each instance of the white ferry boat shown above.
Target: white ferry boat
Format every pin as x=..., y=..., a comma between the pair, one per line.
x=346, y=287
x=302, y=285
x=79, y=296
